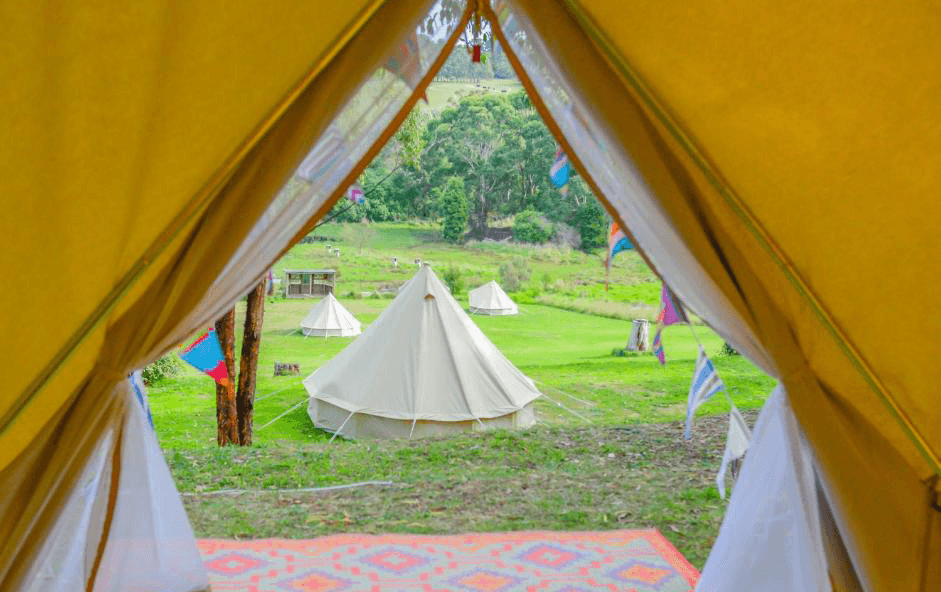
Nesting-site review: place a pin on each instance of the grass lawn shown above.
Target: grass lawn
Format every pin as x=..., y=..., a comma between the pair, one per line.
x=608, y=451
x=439, y=93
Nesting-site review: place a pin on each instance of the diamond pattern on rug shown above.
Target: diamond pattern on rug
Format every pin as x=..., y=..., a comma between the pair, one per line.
x=313, y=580
x=233, y=564
x=484, y=580
x=639, y=560
x=394, y=560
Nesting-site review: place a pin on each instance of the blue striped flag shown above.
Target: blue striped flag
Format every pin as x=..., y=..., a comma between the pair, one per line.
x=559, y=173
x=658, y=347
x=706, y=382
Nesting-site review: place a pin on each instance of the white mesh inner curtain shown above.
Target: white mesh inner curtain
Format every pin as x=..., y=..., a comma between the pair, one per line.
x=789, y=537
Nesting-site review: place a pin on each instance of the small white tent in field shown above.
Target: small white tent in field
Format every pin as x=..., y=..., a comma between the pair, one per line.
x=490, y=299
x=423, y=368
x=329, y=318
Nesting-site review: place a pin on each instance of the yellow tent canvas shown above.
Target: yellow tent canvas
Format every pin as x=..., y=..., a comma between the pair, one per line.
x=777, y=163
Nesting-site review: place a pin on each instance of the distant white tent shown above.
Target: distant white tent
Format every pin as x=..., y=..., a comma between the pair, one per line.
x=422, y=368
x=328, y=318
x=490, y=299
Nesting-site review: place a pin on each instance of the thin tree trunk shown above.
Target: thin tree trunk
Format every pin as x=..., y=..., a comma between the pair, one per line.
x=248, y=366
x=227, y=431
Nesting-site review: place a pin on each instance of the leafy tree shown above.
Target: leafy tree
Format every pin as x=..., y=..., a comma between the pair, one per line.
x=454, y=208
x=528, y=227
x=478, y=142
x=500, y=64
x=591, y=220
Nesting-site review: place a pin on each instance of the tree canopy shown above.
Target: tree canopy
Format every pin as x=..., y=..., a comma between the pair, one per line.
x=499, y=149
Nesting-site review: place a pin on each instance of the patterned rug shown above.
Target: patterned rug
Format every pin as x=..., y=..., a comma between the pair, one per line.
x=635, y=560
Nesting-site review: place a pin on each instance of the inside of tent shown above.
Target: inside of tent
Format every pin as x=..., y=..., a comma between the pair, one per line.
x=776, y=164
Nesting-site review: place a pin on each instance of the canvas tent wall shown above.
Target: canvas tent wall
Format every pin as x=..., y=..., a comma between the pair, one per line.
x=490, y=299
x=753, y=149
x=422, y=368
x=329, y=318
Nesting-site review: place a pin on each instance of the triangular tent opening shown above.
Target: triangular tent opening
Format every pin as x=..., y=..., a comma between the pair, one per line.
x=329, y=318
x=422, y=368
x=767, y=184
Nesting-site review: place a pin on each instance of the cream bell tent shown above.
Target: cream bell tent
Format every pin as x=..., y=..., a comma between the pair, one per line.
x=422, y=368
x=777, y=163
x=329, y=318
x=490, y=299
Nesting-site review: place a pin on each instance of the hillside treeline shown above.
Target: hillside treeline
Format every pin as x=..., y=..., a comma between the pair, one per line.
x=481, y=163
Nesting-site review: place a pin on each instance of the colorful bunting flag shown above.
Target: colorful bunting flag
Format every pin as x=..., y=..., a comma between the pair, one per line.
x=658, y=346
x=559, y=173
x=706, y=382
x=356, y=194
x=617, y=241
x=671, y=310
x=205, y=355
x=736, y=444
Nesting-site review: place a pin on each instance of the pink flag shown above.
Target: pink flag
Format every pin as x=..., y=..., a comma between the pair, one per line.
x=671, y=310
x=356, y=193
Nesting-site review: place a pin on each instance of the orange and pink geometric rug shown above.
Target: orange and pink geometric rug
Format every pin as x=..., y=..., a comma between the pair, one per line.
x=628, y=560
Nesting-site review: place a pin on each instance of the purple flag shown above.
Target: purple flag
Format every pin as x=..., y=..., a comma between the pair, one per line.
x=671, y=311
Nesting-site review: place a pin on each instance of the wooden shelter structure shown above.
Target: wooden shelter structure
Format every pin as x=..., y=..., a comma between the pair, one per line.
x=309, y=283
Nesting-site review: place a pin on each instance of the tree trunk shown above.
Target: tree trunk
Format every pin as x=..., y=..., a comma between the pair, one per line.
x=248, y=366
x=227, y=431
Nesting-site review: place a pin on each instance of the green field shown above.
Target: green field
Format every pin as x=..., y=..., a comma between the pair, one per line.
x=608, y=451
x=440, y=93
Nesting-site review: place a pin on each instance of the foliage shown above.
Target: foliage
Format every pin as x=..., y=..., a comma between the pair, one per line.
x=592, y=223
x=514, y=274
x=459, y=66
x=454, y=209
x=453, y=280
x=478, y=142
x=529, y=227
x=167, y=367
x=497, y=143
x=728, y=350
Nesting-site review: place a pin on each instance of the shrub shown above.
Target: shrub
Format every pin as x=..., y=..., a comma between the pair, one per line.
x=452, y=278
x=165, y=368
x=728, y=350
x=530, y=227
x=514, y=274
x=546, y=281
